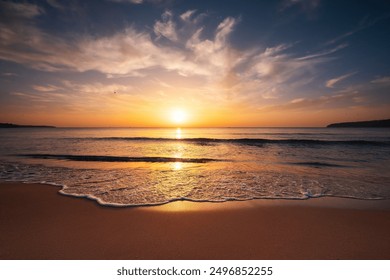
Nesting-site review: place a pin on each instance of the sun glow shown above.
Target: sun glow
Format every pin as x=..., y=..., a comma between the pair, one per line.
x=177, y=165
x=178, y=116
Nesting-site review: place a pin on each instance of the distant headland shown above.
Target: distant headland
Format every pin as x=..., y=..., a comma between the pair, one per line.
x=376, y=123
x=11, y=125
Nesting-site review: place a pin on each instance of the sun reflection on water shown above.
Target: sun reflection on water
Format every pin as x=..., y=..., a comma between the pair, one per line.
x=177, y=165
x=178, y=133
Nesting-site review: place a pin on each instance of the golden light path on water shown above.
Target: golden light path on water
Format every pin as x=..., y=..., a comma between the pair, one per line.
x=178, y=133
x=178, y=165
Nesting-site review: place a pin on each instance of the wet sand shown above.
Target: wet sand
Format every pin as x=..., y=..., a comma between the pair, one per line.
x=36, y=222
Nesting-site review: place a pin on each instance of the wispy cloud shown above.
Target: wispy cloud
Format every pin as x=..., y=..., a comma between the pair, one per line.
x=46, y=88
x=367, y=22
x=342, y=36
x=331, y=83
x=128, y=1
x=56, y=4
x=273, y=72
x=307, y=7
x=166, y=27
x=20, y=10
x=382, y=81
x=187, y=15
x=9, y=74
x=81, y=97
x=324, y=53
x=321, y=102
x=137, y=2
x=97, y=88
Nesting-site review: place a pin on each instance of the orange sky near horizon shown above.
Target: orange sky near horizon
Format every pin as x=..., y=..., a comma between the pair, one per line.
x=195, y=117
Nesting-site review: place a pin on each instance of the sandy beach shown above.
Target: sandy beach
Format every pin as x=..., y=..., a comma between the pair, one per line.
x=36, y=222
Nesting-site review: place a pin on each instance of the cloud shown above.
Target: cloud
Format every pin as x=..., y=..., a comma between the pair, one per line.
x=19, y=10
x=44, y=98
x=273, y=72
x=166, y=27
x=138, y=2
x=221, y=71
x=128, y=1
x=71, y=96
x=97, y=88
x=55, y=4
x=306, y=6
x=215, y=58
x=187, y=15
x=330, y=83
x=46, y=88
x=343, y=36
x=382, y=81
x=334, y=101
x=122, y=53
x=324, y=53
x=223, y=31
x=128, y=52
x=367, y=22
x=9, y=74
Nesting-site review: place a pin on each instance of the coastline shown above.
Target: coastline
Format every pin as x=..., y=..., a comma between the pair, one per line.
x=36, y=222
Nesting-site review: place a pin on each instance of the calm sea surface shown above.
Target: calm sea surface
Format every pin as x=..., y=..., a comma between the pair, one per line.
x=127, y=167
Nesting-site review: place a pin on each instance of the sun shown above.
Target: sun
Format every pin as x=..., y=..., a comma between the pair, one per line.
x=178, y=116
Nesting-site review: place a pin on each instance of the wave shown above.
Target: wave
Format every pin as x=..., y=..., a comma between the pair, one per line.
x=318, y=164
x=242, y=141
x=117, y=158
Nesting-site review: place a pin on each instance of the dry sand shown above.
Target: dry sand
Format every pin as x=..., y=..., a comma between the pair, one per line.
x=36, y=222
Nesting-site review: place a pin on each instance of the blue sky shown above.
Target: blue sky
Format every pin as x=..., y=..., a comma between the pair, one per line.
x=226, y=63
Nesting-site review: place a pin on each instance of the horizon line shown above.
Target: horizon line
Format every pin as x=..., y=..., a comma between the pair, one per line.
x=176, y=127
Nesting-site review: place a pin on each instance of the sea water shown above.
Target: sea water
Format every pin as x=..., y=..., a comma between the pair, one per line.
x=150, y=166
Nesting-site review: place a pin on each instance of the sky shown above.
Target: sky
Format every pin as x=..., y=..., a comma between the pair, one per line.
x=152, y=63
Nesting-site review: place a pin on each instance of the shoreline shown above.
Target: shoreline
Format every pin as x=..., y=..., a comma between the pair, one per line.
x=37, y=222
x=193, y=205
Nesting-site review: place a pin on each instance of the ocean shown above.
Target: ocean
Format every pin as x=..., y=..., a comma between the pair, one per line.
x=152, y=166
